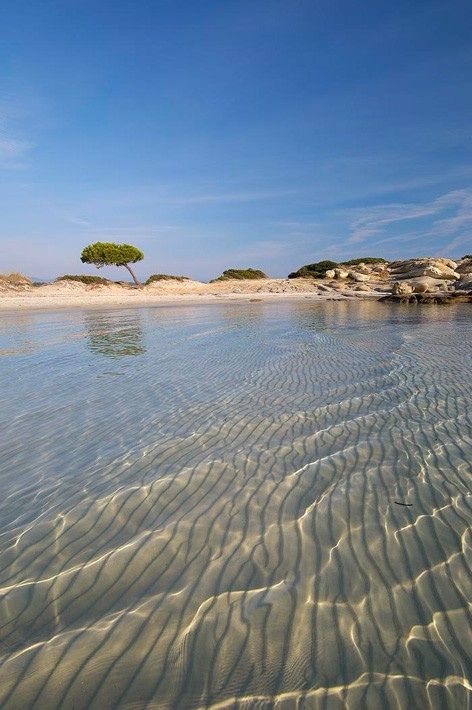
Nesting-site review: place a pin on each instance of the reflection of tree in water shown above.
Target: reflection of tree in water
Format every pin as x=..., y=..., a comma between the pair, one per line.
x=115, y=334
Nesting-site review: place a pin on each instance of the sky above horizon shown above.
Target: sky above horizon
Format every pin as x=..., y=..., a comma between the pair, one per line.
x=233, y=133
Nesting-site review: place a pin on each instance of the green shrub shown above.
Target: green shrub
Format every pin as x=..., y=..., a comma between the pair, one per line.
x=319, y=268
x=364, y=260
x=240, y=274
x=467, y=256
x=85, y=279
x=314, y=271
x=165, y=277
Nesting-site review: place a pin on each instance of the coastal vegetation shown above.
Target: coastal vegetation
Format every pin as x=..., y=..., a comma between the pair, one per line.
x=240, y=274
x=414, y=280
x=15, y=278
x=364, y=260
x=318, y=269
x=315, y=271
x=165, y=277
x=85, y=279
x=15, y=281
x=111, y=254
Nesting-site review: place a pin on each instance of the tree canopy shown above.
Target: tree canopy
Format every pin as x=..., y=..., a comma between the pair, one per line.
x=110, y=254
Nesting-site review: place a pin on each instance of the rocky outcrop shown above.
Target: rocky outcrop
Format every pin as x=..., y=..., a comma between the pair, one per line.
x=416, y=280
x=464, y=283
x=440, y=298
x=434, y=267
x=465, y=267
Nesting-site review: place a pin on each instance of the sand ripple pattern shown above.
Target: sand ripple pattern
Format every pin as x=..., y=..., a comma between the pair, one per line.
x=253, y=506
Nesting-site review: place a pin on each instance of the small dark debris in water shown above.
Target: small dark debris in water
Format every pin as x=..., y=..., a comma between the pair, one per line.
x=255, y=300
x=406, y=504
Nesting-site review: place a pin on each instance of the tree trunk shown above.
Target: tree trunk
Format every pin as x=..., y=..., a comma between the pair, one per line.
x=138, y=283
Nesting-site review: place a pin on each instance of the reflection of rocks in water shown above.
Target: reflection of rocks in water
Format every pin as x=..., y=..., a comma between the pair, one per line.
x=115, y=334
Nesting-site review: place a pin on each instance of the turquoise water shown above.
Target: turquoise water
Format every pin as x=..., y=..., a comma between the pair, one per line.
x=260, y=505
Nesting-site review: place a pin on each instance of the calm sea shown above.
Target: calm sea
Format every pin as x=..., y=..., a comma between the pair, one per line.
x=236, y=506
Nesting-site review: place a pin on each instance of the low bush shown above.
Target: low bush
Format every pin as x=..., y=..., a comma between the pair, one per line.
x=319, y=268
x=364, y=260
x=314, y=271
x=84, y=278
x=240, y=274
x=165, y=277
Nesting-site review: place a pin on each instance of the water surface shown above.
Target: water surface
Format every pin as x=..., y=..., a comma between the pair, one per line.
x=260, y=505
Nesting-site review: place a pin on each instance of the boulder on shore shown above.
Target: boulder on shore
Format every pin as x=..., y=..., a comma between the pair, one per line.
x=428, y=284
x=441, y=298
x=402, y=288
x=359, y=278
x=464, y=283
x=341, y=273
x=465, y=267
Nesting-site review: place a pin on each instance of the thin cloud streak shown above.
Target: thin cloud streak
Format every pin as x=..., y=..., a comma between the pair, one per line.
x=451, y=212
x=12, y=153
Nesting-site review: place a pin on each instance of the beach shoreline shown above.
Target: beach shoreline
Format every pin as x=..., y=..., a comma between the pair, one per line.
x=9, y=304
x=61, y=296
x=422, y=280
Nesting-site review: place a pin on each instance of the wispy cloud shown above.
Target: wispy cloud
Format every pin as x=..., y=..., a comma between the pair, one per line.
x=374, y=220
x=13, y=153
x=183, y=195
x=77, y=221
x=62, y=213
x=233, y=197
x=447, y=215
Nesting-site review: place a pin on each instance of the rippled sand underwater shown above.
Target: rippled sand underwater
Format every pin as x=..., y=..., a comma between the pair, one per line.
x=263, y=505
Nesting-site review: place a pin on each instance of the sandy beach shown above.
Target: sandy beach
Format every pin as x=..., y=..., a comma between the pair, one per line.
x=425, y=280
x=70, y=294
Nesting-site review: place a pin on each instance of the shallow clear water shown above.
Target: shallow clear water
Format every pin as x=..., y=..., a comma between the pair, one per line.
x=261, y=502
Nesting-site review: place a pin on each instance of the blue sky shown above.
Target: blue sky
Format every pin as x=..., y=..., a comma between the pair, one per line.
x=218, y=133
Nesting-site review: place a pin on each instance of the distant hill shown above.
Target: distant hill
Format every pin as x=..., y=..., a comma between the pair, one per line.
x=41, y=279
